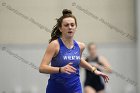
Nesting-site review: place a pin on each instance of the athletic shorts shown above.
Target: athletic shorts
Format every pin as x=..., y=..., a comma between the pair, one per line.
x=95, y=83
x=72, y=85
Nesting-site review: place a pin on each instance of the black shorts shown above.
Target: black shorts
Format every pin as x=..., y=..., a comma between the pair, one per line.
x=95, y=82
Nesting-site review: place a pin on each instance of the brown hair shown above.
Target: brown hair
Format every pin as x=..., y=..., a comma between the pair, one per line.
x=56, y=33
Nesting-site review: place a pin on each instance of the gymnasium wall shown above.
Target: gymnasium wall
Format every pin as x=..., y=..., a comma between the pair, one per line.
x=138, y=43
x=19, y=64
x=31, y=21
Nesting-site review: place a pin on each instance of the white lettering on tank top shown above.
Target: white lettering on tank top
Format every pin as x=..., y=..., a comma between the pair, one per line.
x=71, y=57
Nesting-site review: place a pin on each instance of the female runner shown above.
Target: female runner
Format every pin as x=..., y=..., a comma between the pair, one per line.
x=93, y=83
x=64, y=54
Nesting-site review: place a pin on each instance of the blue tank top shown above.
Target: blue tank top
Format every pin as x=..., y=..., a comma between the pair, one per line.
x=65, y=56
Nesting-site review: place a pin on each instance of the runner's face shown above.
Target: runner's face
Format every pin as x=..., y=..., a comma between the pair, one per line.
x=92, y=50
x=68, y=27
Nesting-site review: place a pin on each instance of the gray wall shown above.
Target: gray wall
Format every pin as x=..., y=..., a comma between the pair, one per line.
x=17, y=73
x=138, y=44
x=28, y=21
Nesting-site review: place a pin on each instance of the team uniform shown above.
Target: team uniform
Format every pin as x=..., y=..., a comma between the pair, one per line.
x=92, y=79
x=63, y=82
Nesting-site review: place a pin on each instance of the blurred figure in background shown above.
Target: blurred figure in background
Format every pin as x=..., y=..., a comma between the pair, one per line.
x=93, y=83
